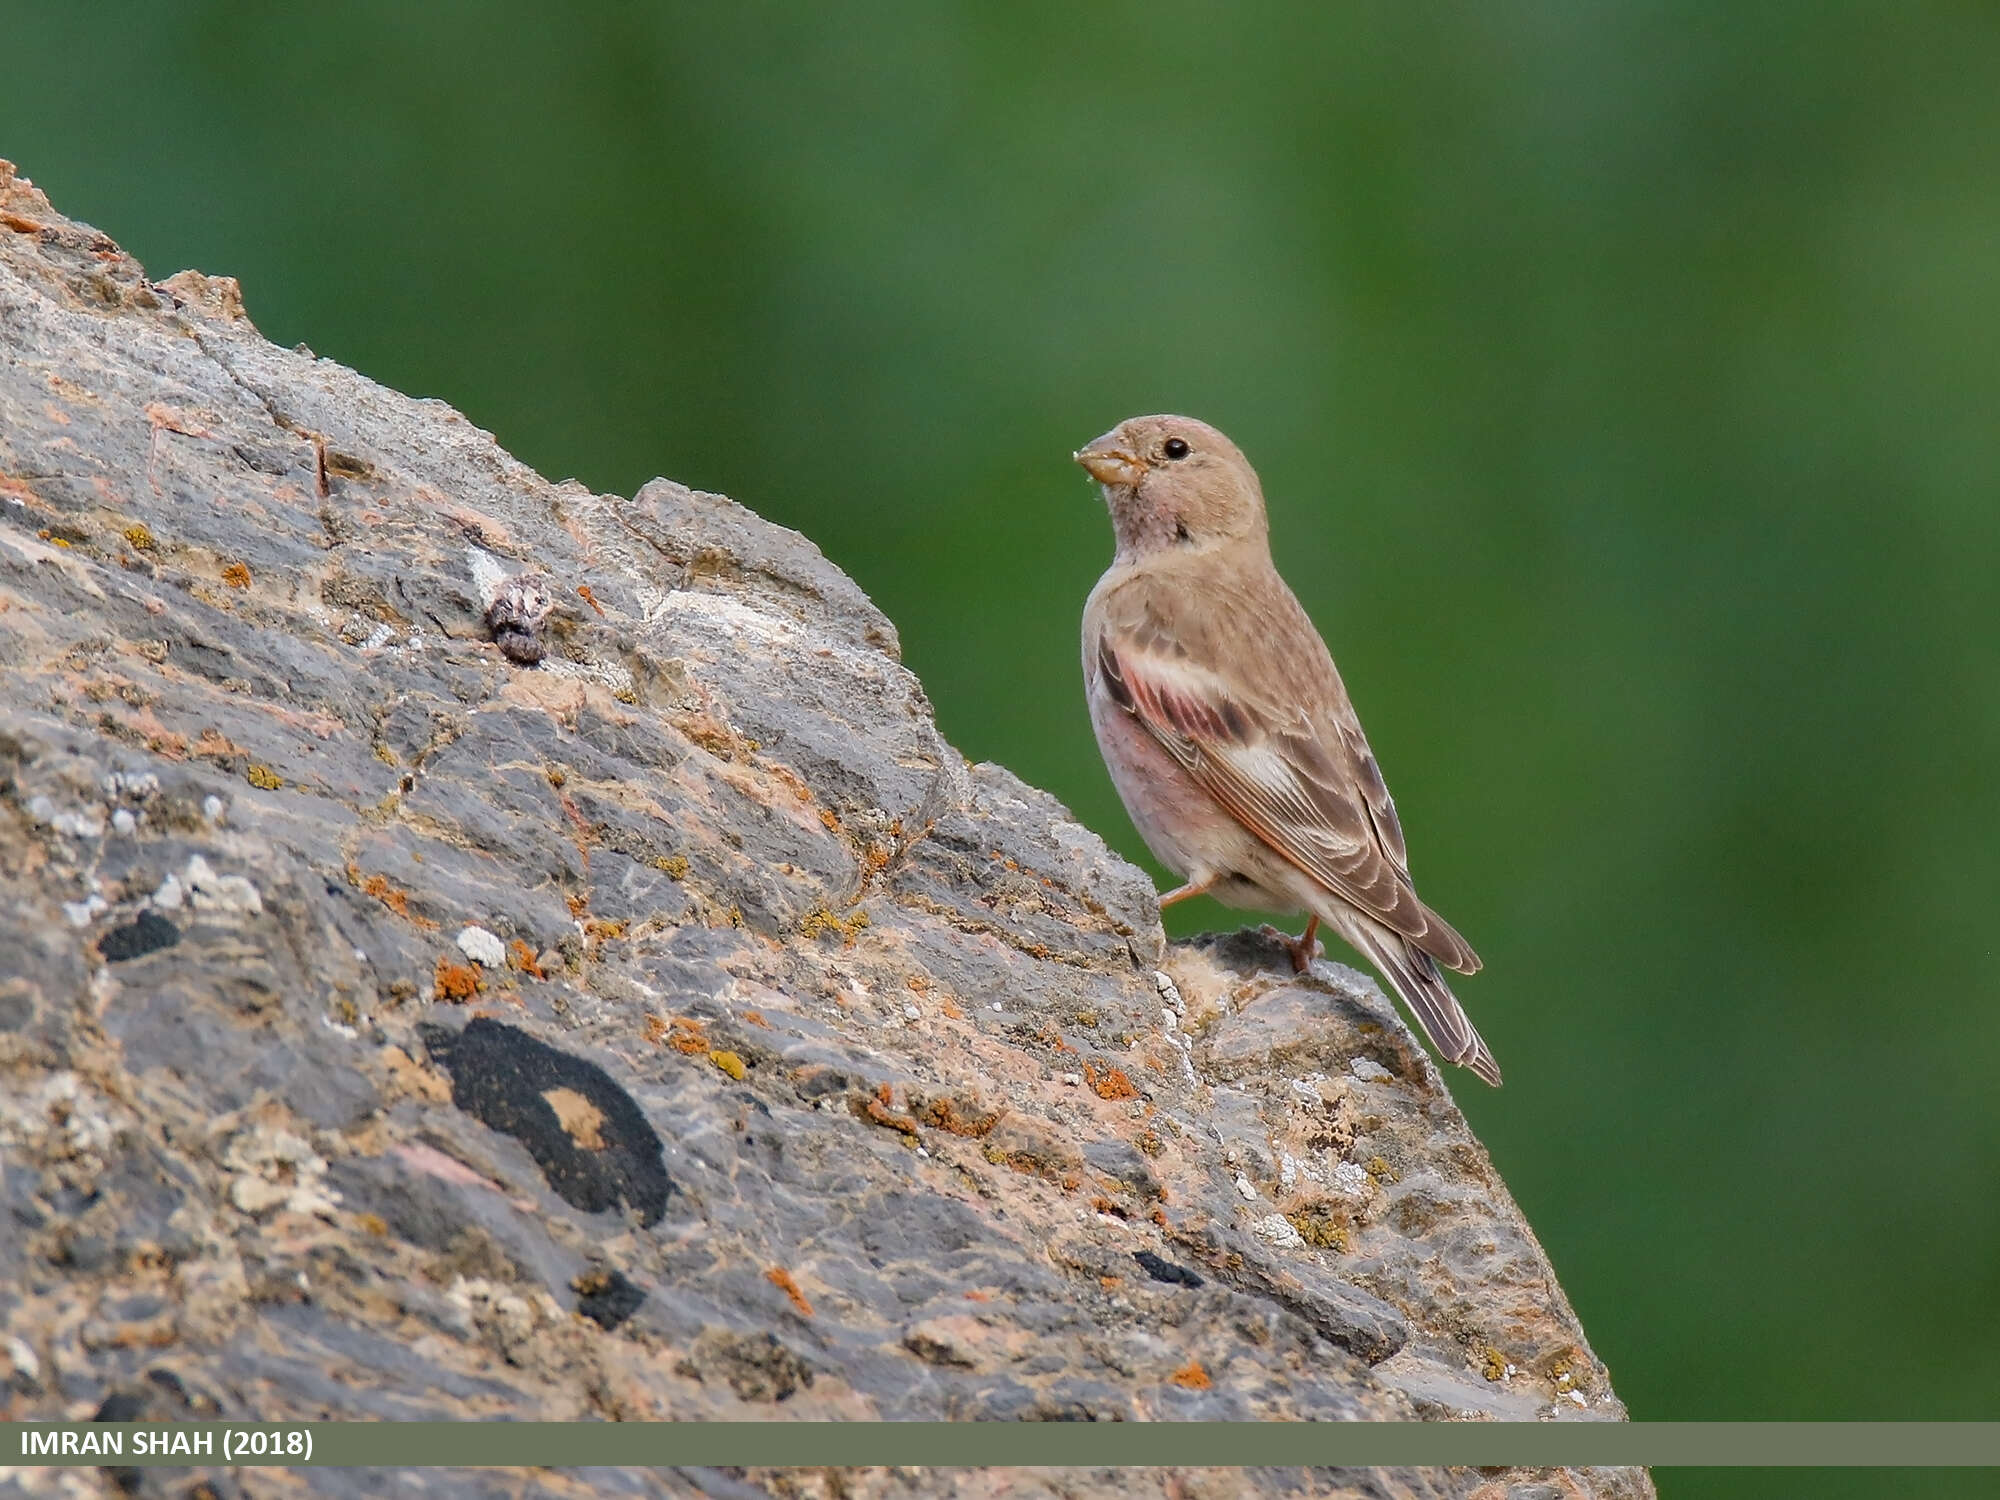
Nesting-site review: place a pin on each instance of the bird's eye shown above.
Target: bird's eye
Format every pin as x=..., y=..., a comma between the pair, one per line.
x=1175, y=448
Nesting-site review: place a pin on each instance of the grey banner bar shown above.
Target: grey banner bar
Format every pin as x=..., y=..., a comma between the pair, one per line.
x=983, y=1444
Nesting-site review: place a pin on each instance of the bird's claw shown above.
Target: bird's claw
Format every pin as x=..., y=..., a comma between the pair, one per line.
x=1302, y=949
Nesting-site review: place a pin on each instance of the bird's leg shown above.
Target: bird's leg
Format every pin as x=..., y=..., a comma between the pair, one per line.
x=1304, y=946
x=1192, y=888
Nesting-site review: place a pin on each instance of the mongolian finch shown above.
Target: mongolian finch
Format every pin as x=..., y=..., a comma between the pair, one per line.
x=1226, y=728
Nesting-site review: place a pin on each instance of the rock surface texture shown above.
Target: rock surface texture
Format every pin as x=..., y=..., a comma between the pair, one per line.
x=475, y=948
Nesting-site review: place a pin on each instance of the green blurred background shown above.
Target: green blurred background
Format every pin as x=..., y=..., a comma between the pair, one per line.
x=1624, y=382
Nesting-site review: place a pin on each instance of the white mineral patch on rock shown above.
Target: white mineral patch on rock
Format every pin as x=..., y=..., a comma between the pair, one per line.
x=1350, y=1180
x=208, y=891
x=276, y=1169
x=488, y=574
x=1276, y=1229
x=482, y=947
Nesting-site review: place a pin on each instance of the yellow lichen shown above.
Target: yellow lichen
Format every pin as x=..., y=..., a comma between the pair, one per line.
x=730, y=1063
x=821, y=922
x=263, y=777
x=1320, y=1230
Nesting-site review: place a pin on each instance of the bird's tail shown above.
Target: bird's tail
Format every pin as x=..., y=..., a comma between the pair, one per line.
x=1414, y=975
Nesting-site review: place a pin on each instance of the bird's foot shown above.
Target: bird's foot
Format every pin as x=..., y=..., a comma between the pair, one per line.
x=1303, y=949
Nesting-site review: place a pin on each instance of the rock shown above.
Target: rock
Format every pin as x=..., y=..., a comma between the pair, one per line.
x=624, y=1004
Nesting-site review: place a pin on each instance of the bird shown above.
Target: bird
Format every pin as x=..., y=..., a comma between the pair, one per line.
x=1228, y=732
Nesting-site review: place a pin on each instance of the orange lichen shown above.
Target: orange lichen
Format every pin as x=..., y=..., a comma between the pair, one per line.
x=583, y=592
x=212, y=743
x=457, y=981
x=756, y=1018
x=875, y=1109
x=719, y=739
x=236, y=575
x=1110, y=1084
x=1191, y=1376
x=944, y=1114
x=604, y=927
x=682, y=1033
x=780, y=1278
x=521, y=958
x=378, y=886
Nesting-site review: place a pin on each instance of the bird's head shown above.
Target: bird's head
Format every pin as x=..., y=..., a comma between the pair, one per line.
x=1174, y=482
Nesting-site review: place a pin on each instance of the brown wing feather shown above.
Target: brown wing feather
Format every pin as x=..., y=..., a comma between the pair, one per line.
x=1297, y=773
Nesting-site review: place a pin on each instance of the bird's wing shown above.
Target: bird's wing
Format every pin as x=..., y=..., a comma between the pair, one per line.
x=1295, y=770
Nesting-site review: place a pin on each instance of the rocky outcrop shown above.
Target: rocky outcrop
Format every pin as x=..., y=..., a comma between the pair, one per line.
x=472, y=947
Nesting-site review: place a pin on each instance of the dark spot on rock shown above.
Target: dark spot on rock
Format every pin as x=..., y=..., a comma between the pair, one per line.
x=1161, y=1269
x=80, y=1250
x=590, y=1139
x=120, y=1406
x=146, y=933
x=607, y=1298
x=757, y=1366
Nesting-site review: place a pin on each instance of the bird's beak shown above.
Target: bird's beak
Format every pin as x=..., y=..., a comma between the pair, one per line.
x=1108, y=463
